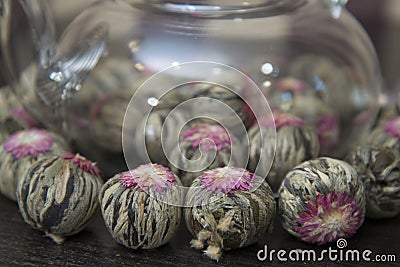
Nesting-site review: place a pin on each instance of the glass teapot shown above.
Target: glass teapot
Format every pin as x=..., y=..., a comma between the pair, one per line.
x=129, y=76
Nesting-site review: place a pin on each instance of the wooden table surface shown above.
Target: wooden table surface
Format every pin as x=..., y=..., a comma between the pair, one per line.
x=20, y=245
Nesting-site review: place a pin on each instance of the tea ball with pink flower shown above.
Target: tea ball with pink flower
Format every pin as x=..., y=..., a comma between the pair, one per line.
x=322, y=200
x=141, y=207
x=295, y=142
x=386, y=135
x=228, y=208
x=20, y=151
x=8, y=126
x=215, y=99
x=16, y=119
x=58, y=195
x=13, y=116
x=106, y=120
x=156, y=133
x=297, y=97
x=379, y=170
x=204, y=145
x=386, y=112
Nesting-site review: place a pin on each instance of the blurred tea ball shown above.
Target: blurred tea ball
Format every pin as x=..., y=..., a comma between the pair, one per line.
x=59, y=194
x=157, y=134
x=322, y=200
x=228, y=208
x=20, y=151
x=385, y=113
x=8, y=126
x=204, y=145
x=317, y=72
x=140, y=206
x=295, y=143
x=13, y=117
x=386, y=135
x=294, y=96
x=107, y=117
x=218, y=98
x=379, y=170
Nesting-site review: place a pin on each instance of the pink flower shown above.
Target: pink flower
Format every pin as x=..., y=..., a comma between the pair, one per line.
x=393, y=127
x=212, y=134
x=28, y=143
x=154, y=177
x=328, y=218
x=280, y=119
x=227, y=180
x=84, y=164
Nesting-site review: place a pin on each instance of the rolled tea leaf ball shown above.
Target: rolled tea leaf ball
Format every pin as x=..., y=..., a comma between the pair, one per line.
x=228, y=208
x=13, y=116
x=386, y=135
x=140, y=207
x=204, y=145
x=379, y=170
x=8, y=101
x=284, y=91
x=322, y=200
x=328, y=129
x=297, y=97
x=106, y=118
x=385, y=113
x=20, y=151
x=8, y=126
x=295, y=143
x=214, y=108
x=58, y=195
x=16, y=120
x=156, y=134
x=317, y=72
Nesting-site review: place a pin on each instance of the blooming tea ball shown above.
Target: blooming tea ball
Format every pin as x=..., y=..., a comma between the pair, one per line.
x=20, y=151
x=8, y=101
x=322, y=200
x=386, y=113
x=379, y=170
x=295, y=143
x=204, y=145
x=228, y=208
x=236, y=118
x=157, y=134
x=107, y=117
x=318, y=72
x=137, y=206
x=295, y=96
x=8, y=126
x=13, y=117
x=386, y=135
x=58, y=195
